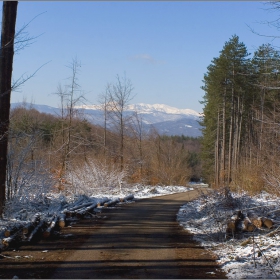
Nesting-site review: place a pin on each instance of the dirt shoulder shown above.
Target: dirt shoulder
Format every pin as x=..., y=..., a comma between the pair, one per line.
x=137, y=240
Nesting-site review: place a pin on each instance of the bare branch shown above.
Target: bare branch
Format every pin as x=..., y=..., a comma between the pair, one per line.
x=20, y=81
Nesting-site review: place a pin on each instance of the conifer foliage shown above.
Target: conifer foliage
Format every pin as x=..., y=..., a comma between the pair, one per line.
x=240, y=104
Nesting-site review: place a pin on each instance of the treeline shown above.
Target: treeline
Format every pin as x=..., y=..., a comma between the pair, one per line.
x=240, y=145
x=68, y=144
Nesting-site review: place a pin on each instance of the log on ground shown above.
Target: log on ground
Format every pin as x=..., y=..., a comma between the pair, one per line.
x=255, y=219
x=112, y=202
x=37, y=230
x=10, y=231
x=47, y=232
x=127, y=198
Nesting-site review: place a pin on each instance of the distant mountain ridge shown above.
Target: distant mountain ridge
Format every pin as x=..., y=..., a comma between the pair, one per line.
x=165, y=119
x=143, y=108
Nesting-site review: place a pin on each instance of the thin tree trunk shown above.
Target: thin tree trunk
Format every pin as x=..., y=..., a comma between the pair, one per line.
x=122, y=140
x=236, y=134
x=223, y=156
x=240, y=129
x=217, y=158
x=71, y=115
x=105, y=129
x=230, y=137
x=9, y=15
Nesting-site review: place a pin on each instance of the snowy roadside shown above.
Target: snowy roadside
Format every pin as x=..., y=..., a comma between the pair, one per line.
x=20, y=211
x=205, y=217
x=238, y=255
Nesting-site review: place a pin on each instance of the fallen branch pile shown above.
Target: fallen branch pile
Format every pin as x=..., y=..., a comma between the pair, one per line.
x=43, y=225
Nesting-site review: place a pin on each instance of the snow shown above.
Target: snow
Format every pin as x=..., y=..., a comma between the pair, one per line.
x=20, y=212
x=206, y=218
x=143, y=108
x=143, y=191
x=150, y=114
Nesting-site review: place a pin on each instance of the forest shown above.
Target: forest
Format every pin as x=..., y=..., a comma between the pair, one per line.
x=239, y=147
x=240, y=144
x=42, y=153
x=76, y=153
x=60, y=170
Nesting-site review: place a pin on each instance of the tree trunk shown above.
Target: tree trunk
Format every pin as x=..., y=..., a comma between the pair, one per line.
x=235, y=135
x=62, y=220
x=231, y=130
x=255, y=219
x=9, y=15
x=217, y=159
x=126, y=198
x=223, y=151
x=48, y=231
x=122, y=141
x=105, y=128
x=112, y=202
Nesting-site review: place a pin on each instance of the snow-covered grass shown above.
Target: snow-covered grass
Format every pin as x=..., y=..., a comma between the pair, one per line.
x=94, y=178
x=98, y=179
x=245, y=255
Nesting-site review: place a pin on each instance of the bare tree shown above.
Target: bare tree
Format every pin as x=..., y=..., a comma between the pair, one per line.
x=72, y=101
x=9, y=15
x=104, y=105
x=70, y=97
x=273, y=6
x=138, y=136
x=120, y=94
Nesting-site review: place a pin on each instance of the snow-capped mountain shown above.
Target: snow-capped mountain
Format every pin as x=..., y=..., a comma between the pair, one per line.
x=148, y=108
x=142, y=108
x=158, y=113
x=165, y=119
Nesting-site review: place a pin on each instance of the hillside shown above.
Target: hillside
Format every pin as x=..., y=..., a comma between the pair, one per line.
x=165, y=119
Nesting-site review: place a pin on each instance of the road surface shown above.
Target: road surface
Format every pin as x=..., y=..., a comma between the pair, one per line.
x=136, y=240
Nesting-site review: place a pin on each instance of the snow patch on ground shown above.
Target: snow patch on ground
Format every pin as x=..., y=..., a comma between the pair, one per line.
x=143, y=191
x=20, y=212
x=206, y=218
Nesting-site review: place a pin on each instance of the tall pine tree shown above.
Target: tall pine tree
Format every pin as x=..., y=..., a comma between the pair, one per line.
x=225, y=102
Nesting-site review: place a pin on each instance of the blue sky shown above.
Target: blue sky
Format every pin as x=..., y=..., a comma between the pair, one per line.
x=163, y=47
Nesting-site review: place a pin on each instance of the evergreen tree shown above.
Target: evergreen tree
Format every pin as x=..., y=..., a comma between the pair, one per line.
x=266, y=67
x=226, y=99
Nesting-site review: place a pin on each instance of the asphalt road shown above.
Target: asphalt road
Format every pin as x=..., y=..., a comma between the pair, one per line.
x=137, y=240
